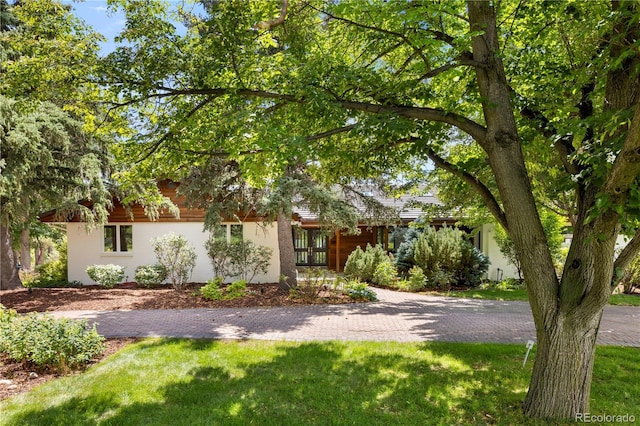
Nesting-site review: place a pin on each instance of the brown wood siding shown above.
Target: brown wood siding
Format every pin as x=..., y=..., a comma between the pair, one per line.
x=349, y=243
x=136, y=212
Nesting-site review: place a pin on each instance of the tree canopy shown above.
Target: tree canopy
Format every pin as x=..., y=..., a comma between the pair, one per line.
x=544, y=94
x=52, y=156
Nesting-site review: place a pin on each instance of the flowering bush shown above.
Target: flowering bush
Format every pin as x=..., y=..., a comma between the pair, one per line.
x=106, y=275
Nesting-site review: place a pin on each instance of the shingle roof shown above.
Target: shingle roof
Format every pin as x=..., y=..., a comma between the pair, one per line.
x=408, y=207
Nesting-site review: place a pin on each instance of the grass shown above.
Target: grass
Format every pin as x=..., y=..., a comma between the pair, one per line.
x=202, y=382
x=491, y=294
x=625, y=299
x=503, y=291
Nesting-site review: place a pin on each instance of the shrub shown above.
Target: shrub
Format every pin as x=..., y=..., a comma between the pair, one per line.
x=150, y=275
x=218, y=252
x=473, y=265
x=307, y=290
x=106, y=275
x=211, y=291
x=359, y=291
x=47, y=342
x=417, y=280
x=385, y=273
x=445, y=257
x=177, y=256
x=362, y=265
x=404, y=254
x=51, y=274
x=242, y=259
x=236, y=289
x=312, y=283
x=354, y=264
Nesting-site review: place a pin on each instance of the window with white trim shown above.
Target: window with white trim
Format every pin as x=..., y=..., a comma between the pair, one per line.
x=118, y=238
x=231, y=233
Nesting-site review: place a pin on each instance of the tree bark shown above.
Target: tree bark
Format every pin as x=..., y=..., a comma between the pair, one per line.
x=566, y=315
x=561, y=380
x=9, y=278
x=288, y=270
x=25, y=249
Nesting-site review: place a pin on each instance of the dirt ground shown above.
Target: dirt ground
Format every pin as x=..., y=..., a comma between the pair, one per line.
x=16, y=378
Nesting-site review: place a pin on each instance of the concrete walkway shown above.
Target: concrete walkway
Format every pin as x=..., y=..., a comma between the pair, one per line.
x=396, y=317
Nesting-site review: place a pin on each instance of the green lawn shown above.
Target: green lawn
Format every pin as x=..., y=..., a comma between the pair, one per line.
x=201, y=382
x=490, y=293
x=493, y=293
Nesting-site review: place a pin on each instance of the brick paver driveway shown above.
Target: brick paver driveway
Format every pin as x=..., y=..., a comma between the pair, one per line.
x=396, y=317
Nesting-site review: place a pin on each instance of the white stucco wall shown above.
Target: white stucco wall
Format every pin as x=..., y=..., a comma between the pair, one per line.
x=86, y=248
x=499, y=265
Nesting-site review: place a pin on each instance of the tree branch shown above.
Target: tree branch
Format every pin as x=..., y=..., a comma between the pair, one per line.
x=627, y=254
x=403, y=37
x=475, y=130
x=267, y=25
x=626, y=167
x=462, y=60
x=475, y=183
x=330, y=133
x=167, y=135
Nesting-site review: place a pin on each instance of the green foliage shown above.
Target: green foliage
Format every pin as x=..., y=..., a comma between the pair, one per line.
x=445, y=256
x=58, y=163
x=417, y=279
x=106, y=275
x=630, y=280
x=239, y=258
x=211, y=290
x=47, y=342
x=385, y=273
x=312, y=283
x=552, y=225
x=361, y=265
x=354, y=263
x=177, y=256
x=236, y=289
x=359, y=291
x=150, y=275
x=51, y=274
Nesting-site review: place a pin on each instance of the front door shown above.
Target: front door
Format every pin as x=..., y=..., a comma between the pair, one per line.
x=311, y=247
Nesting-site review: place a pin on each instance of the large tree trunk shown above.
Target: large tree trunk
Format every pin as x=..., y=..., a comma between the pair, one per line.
x=25, y=249
x=567, y=315
x=288, y=270
x=9, y=278
x=561, y=379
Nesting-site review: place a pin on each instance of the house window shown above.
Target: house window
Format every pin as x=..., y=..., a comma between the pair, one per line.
x=118, y=238
x=231, y=233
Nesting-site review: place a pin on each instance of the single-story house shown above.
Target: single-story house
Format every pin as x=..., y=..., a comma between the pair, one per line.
x=126, y=239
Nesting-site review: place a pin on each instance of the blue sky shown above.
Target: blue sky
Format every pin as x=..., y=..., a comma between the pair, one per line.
x=109, y=24
x=94, y=13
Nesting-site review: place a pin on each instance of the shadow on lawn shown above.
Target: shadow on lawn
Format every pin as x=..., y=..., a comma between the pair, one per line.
x=309, y=383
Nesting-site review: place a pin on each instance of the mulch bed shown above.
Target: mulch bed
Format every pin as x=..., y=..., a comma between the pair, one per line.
x=19, y=377
x=129, y=296
x=16, y=378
